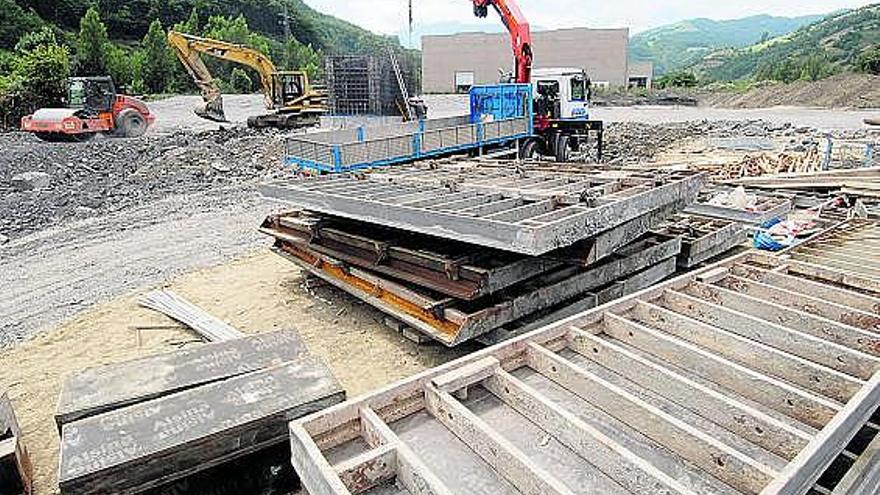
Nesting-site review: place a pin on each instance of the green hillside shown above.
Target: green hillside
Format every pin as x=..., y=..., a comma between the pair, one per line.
x=129, y=20
x=684, y=43
x=834, y=44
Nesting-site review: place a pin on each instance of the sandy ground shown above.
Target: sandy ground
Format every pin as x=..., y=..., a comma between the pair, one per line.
x=258, y=292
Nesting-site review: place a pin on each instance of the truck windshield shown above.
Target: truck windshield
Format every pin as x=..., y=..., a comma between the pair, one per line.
x=578, y=88
x=76, y=94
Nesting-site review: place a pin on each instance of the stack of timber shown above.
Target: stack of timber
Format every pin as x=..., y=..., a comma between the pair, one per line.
x=852, y=248
x=757, y=375
x=457, y=253
x=142, y=425
x=865, y=180
x=16, y=472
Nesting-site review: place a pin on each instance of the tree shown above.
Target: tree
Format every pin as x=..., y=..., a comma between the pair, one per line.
x=38, y=79
x=157, y=59
x=240, y=82
x=30, y=41
x=815, y=67
x=92, y=45
x=682, y=79
x=119, y=66
x=869, y=61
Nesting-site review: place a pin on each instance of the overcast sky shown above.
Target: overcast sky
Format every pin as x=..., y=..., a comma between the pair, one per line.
x=389, y=16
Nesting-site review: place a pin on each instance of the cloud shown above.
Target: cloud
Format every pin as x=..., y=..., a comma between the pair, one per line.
x=390, y=16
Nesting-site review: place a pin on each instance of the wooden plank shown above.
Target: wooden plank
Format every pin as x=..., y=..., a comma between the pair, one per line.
x=839, y=351
x=780, y=356
x=775, y=394
x=809, y=465
x=858, y=363
x=816, y=289
x=834, y=275
x=130, y=449
x=311, y=466
x=746, y=421
x=616, y=461
x=467, y=375
x=494, y=449
x=372, y=468
x=805, y=302
x=725, y=463
x=105, y=388
x=411, y=472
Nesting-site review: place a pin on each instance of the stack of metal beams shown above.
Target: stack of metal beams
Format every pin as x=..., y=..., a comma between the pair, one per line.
x=461, y=252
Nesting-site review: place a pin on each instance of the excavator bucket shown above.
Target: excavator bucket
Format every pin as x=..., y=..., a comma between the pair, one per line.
x=212, y=110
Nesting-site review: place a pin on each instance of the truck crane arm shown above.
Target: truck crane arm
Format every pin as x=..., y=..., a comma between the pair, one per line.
x=520, y=34
x=189, y=48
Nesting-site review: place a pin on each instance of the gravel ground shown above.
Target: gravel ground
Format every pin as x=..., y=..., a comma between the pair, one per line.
x=56, y=273
x=110, y=175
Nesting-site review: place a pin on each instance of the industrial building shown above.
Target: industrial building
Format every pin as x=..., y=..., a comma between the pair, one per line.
x=453, y=63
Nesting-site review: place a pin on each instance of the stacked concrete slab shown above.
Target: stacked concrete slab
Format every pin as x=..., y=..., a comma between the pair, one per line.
x=461, y=250
x=147, y=424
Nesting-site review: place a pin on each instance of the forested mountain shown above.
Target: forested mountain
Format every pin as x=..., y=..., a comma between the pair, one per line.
x=840, y=42
x=129, y=20
x=679, y=45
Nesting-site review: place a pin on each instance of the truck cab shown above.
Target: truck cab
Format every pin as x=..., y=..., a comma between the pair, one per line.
x=561, y=93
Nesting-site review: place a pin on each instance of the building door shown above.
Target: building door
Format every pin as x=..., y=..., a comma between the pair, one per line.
x=464, y=81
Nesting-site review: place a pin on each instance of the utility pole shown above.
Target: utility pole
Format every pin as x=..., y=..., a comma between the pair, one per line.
x=285, y=20
x=410, y=25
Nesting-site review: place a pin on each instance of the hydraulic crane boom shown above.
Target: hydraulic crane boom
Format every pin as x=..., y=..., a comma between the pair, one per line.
x=520, y=34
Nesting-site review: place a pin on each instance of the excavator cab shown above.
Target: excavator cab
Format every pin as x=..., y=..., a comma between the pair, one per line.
x=291, y=84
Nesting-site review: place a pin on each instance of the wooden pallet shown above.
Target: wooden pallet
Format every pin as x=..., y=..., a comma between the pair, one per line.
x=748, y=377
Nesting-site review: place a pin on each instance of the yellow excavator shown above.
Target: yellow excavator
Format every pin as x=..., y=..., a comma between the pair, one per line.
x=289, y=95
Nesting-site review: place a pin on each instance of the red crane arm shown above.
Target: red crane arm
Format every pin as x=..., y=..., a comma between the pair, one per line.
x=520, y=34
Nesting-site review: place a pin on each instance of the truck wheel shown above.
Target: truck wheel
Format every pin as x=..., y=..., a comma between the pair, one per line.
x=528, y=150
x=130, y=124
x=563, y=150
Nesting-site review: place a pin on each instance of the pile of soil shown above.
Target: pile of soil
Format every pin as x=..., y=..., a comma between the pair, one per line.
x=107, y=175
x=840, y=91
x=633, y=142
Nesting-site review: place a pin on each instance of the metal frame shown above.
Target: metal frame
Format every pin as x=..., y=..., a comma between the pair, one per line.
x=702, y=238
x=768, y=208
x=719, y=394
x=550, y=211
x=445, y=266
x=453, y=322
x=337, y=152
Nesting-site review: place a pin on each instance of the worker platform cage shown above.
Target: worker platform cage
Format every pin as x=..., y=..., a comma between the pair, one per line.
x=500, y=114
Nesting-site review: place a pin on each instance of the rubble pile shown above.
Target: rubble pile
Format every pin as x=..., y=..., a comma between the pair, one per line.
x=42, y=184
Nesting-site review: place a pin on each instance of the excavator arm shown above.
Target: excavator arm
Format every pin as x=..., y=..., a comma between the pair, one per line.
x=520, y=34
x=189, y=49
